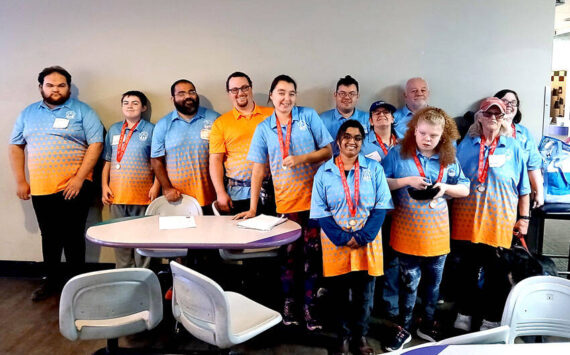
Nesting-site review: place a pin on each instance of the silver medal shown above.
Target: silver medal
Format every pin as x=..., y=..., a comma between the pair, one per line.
x=118, y=166
x=352, y=222
x=481, y=188
x=433, y=204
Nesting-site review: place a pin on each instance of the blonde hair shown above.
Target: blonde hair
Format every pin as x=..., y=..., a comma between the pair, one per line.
x=476, y=129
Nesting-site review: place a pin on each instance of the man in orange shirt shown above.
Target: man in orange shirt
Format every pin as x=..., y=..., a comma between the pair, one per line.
x=229, y=144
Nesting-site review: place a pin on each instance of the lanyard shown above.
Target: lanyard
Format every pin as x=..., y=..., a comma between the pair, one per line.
x=351, y=206
x=421, y=170
x=122, y=146
x=483, y=168
x=284, y=146
x=392, y=142
x=514, y=130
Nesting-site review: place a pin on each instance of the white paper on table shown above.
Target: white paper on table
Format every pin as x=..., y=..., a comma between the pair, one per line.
x=262, y=222
x=374, y=155
x=176, y=222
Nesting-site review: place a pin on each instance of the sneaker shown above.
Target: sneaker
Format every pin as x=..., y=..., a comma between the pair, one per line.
x=489, y=325
x=462, y=322
x=288, y=312
x=401, y=338
x=45, y=291
x=429, y=331
x=310, y=321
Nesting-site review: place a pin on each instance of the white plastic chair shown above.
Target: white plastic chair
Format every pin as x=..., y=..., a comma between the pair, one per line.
x=186, y=206
x=215, y=316
x=236, y=255
x=109, y=304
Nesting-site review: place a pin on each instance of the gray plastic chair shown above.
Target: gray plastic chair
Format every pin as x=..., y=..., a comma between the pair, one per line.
x=217, y=317
x=110, y=304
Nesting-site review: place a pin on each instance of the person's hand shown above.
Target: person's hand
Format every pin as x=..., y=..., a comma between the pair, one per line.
x=353, y=244
x=73, y=187
x=442, y=189
x=154, y=192
x=23, y=190
x=538, y=199
x=291, y=161
x=225, y=203
x=418, y=182
x=107, y=196
x=172, y=194
x=521, y=227
x=245, y=215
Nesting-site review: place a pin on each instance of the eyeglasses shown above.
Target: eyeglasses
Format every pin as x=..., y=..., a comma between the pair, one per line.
x=243, y=89
x=381, y=113
x=184, y=93
x=348, y=137
x=498, y=116
x=343, y=94
x=513, y=103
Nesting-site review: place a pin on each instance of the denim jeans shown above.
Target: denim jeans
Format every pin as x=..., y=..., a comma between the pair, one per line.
x=412, y=268
x=390, y=290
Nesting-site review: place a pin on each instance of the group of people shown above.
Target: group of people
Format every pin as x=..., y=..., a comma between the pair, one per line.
x=386, y=192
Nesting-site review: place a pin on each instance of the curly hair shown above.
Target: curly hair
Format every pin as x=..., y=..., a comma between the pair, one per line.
x=445, y=147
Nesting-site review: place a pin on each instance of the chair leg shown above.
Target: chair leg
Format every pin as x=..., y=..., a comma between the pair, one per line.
x=112, y=346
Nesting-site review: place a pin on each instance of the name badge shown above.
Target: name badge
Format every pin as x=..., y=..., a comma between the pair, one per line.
x=205, y=134
x=60, y=123
x=116, y=139
x=496, y=161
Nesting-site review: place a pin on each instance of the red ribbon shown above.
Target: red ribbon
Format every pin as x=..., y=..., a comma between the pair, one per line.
x=483, y=168
x=351, y=205
x=393, y=142
x=122, y=146
x=421, y=170
x=284, y=146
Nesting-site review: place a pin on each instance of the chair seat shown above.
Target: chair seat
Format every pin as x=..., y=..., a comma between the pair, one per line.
x=163, y=253
x=249, y=318
x=240, y=254
x=112, y=322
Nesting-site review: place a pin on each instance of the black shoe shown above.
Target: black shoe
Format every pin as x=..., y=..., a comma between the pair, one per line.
x=362, y=347
x=401, y=337
x=45, y=291
x=429, y=331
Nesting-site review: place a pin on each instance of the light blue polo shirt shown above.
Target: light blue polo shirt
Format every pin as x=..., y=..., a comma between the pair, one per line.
x=370, y=145
x=526, y=140
x=401, y=118
x=333, y=120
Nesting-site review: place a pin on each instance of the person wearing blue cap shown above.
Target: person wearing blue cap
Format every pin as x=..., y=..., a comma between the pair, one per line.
x=381, y=137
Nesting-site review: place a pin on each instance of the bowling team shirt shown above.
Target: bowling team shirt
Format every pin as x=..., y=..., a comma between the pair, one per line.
x=333, y=120
x=132, y=181
x=489, y=216
x=418, y=228
x=526, y=141
x=231, y=135
x=328, y=199
x=56, y=140
x=401, y=118
x=185, y=148
x=308, y=133
x=370, y=145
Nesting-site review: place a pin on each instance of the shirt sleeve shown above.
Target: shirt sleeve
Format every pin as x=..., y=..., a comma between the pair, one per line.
x=320, y=132
x=108, y=149
x=383, y=195
x=319, y=207
x=158, y=136
x=92, y=126
x=258, y=147
x=17, y=136
x=524, y=183
x=388, y=163
x=459, y=177
x=371, y=228
x=217, y=144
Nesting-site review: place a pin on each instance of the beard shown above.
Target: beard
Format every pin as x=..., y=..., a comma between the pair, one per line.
x=188, y=106
x=56, y=102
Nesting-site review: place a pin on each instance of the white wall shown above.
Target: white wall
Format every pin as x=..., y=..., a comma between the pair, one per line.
x=465, y=49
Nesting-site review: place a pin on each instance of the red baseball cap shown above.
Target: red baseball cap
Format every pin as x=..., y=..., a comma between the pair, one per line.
x=492, y=101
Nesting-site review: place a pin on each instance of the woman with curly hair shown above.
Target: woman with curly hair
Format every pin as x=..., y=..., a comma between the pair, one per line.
x=422, y=171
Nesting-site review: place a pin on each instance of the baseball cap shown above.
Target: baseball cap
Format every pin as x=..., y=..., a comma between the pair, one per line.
x=492, y=101
x=380, y=103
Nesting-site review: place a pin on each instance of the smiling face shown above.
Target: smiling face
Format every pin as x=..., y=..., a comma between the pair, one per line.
x=240, y=92
x=132, y=108
x=381, y=118
x=417, y=94
x=350, y=142
x=346, y=98
x=427, y=135
x=55, y=90
x=512, y=105
x=492, y=119
x=186, y=99
x=283, y=97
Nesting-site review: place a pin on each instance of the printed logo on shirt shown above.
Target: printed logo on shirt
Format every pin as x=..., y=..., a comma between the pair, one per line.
x=366, y=175
x=451, y=172
x=143, y=136
x=70, y=115
x=302, y=125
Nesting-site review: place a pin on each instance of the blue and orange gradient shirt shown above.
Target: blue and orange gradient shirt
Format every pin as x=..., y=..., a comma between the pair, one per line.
x=132, y=181
x=185, y=147
x=56, y=140
x=308, y=133
x=489, y=216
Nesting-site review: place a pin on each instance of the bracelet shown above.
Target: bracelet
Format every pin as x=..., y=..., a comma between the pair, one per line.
x=525, y=217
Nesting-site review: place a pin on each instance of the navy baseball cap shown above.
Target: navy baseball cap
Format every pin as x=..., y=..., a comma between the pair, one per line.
x=378, y=104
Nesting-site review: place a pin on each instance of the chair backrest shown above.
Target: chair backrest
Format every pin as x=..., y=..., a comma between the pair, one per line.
x=215, y=208
x=200, y=304
x=110, y=304
x=186, y=206
x=538, y=305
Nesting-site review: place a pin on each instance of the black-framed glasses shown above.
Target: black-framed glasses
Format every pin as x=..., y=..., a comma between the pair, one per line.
x=513, y=103
x=351, y=94
x=243, y=89
x=184, y=93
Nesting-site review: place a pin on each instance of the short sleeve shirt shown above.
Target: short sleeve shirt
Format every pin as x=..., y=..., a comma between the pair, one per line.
x=132, y=177
x=526, y=141
x=328, y=199
x=56, y=140
x=231, y=135
x=185, y=148
x=489, y=216
x=402, y=116
x=371, y=145
x=308, y=133
x=333, y=120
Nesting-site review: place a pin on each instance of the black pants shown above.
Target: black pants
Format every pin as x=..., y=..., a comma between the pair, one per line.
x=62, y=225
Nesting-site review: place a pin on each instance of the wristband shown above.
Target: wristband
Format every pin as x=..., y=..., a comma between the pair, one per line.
x=525, y=217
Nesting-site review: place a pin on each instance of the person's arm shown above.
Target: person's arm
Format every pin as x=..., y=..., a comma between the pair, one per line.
x=154, y=191
x=455, y=191
x=522, y=222
x=89, y=160
x=537, y=185
x=159, y=168
x=257, y=175
x=107, y=195
x=316, y=156
x=18, y=162
x=371, y=228
x=417, y=182
x=217, y=175
x=334, y=232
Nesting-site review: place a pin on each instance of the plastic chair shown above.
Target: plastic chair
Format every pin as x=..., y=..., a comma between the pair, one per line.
x=497, y=335
x=538, y=305
x=186, y=206
x=109, y=304
x=215, y=316
x=236, y=255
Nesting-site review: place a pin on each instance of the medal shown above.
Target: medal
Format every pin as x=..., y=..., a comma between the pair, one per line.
x=433, y=203
x=284, y=145
x=284, y=167
x=122, y=146
x=481, y=188
x=118, y=166
x=352, y=206
x=352, y=222
x=483, y=168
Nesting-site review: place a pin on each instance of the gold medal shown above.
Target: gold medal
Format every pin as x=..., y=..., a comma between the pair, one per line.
x=352, y=222
x=284, y=167
x=481, y=188
x=118, y=166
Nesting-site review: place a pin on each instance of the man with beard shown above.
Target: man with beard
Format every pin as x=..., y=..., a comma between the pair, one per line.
x=179, y=151
x=229, y=145
x=346, y=97
x=64, y=138
x=416, y=96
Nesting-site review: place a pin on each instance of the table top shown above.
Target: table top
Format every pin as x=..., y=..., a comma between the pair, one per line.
x=491, y=349
x=211, y=232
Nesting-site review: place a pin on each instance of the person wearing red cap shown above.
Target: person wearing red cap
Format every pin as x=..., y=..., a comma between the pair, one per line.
x=496, y=208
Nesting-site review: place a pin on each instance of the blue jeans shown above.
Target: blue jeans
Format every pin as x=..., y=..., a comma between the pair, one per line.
x=412, y=268
x=390, y=286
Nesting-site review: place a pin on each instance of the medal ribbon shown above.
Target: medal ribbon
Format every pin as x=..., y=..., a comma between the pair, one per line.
x=392, y=142
x=514, y=130
x=351, y=206
x=284, y=146
x=423, y=174
x=122, y=146
x=483, y=168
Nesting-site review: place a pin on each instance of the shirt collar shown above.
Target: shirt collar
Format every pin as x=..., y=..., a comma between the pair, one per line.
x=294, y=117
x=140, y=126
x=199, y=114
x=338, y=116
x=66, y=104
x=502, y=140
x=330, y=164
x=433, y=157
x=406, y=111
x=238, y=115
